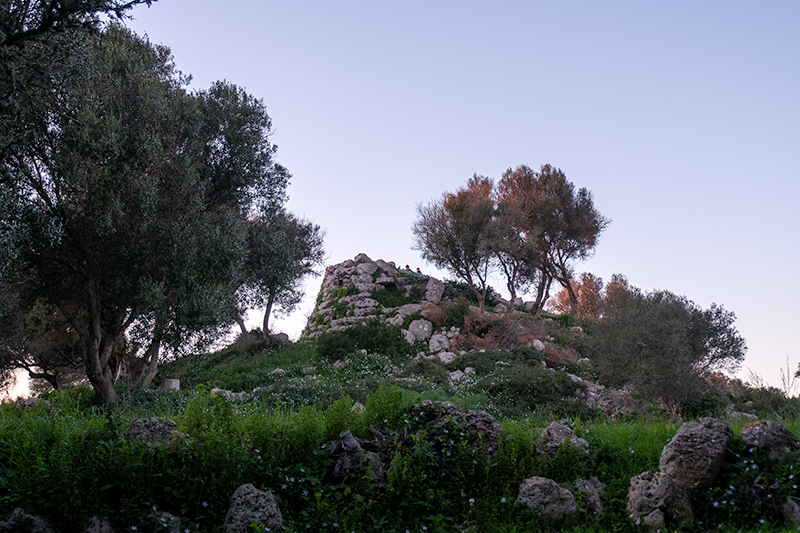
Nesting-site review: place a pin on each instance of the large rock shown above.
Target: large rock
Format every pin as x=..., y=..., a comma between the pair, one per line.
x=419, y=330
x=351, y=457
x=98, y=525
x=434, y=291
x=695, y=454
x=19, y=520
x=544, y=495
x=479, y=427
x=252, y=506
x=771, y=437
x=554, y=435
x=657, y=499
x=154, y=431
x=593, y=490
x=438, y=343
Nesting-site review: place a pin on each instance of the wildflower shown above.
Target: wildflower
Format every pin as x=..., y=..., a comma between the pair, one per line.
x=760, y=520
x=154, y=508
x=503, y=499
x=472, y=501
x=205, y=504
x=716, y=504
x=283, y=486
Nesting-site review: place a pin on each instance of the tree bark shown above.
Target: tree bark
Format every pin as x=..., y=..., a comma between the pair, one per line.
x=242, y=326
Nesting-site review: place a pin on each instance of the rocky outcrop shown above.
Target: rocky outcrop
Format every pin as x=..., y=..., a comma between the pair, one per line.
x=351, y=457
x=696, y=453
x=771, y=437
x=252, y=506
x=154, y=431
x=479, y=428
x=656, y=499
x=557, y=434
x=349, y=294
x=551, y=500
x=19, y=520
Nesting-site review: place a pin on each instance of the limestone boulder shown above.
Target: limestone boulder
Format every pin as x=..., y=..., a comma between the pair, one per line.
x=351, y=457
x=252, y=506
x=446, y=357
x=438, y=343
x=20, y=520
x=154, y=431
x=97, y=524
x=592, y=490
x=551, y=500
x=695, y=454
x=434, y=291
x=419, y=330
x=479, y=427
x=656, y=499
x=771, y=437
x=555, y=435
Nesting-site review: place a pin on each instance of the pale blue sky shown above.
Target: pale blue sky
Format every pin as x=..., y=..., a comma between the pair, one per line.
x=682, y=118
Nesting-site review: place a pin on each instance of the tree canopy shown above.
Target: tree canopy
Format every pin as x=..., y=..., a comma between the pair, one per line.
x=532, y=226
x=134, y=198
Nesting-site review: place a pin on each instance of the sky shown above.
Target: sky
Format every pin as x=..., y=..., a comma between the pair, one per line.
x=682, y=118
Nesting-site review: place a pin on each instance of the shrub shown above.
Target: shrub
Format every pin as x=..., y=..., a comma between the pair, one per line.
x=390, y=297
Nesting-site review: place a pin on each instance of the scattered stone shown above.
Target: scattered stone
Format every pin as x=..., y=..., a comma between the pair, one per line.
x=446, y=357
x=739, y=415
x=434, y=290
x=438, y=343
x=419, y=330
x=154, y=431
x=30, y=403
x=230, y=395
x=772, y=437
x=456, y=376
x=695, y=454
x=479, y=427
x=593, y=490
x=98, y=525
x=170, y=384
x=552, y=500
x=252, y=506
x=351, y=456
x=278, y=372
x=656, y=499
x=554, y=435
x=790, y=511
x=19, y=520
x=341, y=363
x=539, y=345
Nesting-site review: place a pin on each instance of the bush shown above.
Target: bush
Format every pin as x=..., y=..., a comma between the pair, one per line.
x=374, y=337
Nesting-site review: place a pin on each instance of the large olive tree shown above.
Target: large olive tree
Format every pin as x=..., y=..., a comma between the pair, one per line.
x=135, y=196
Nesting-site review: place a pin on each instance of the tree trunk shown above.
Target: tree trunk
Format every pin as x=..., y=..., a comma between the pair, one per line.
x=542, y=291
x=151, y=357
x=97, y=352
x=240, y=321
x=573, y=298
x=267, y=311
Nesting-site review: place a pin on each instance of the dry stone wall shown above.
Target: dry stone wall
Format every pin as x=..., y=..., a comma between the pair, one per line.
x=351, y=291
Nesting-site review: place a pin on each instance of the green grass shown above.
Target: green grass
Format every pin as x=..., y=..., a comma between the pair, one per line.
x=76, y=461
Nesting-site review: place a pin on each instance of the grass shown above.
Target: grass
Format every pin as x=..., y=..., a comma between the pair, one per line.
x=76, y=461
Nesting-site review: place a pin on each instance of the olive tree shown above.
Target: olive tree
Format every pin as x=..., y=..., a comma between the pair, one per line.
x=136, y=195
x=281, y=251
x=454, y=233
x=664, y=346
